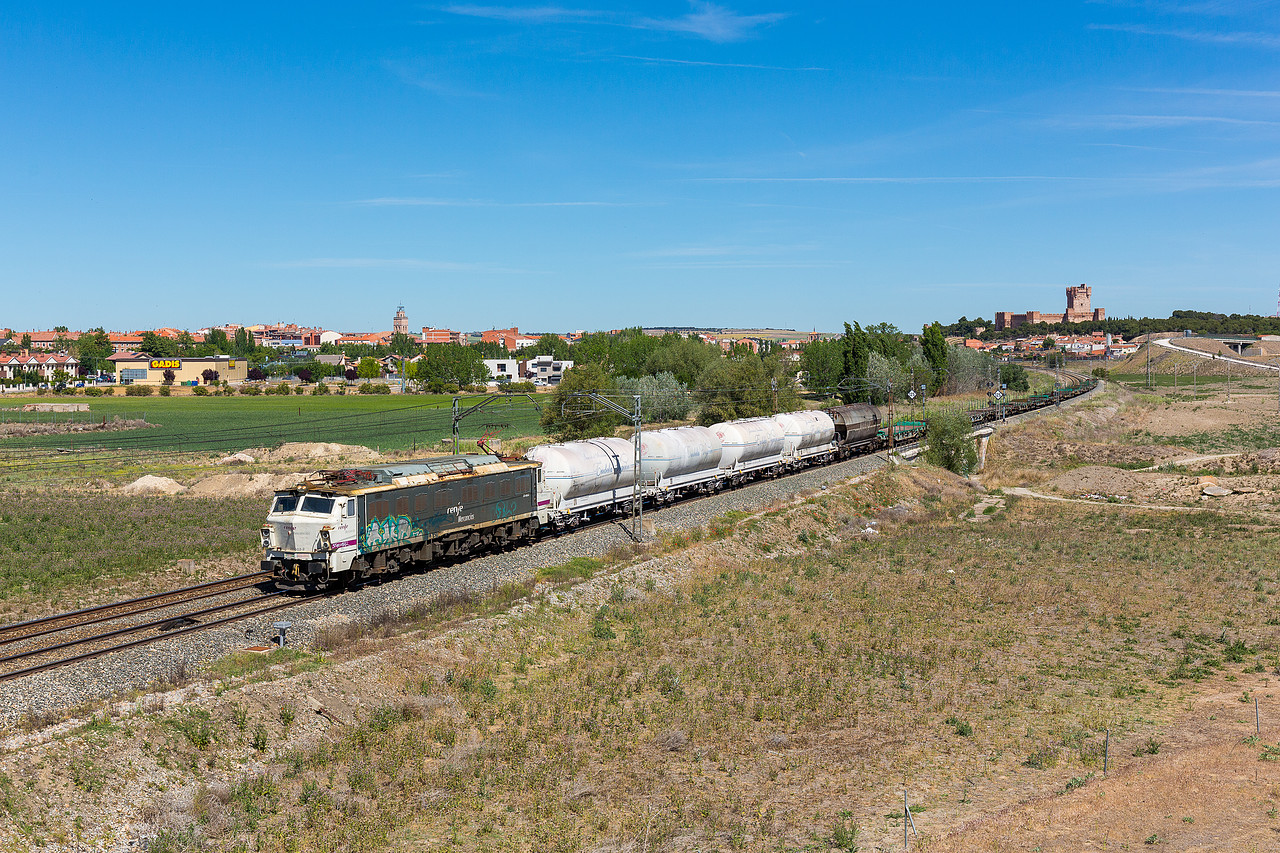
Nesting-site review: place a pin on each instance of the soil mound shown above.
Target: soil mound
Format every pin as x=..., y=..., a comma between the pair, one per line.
x=152, y=485
x=242, y=485
x=300, y=450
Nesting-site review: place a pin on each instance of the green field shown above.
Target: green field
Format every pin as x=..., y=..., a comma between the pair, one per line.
x=224, y=424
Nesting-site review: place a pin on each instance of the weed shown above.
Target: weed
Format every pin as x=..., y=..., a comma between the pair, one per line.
x=1150, y=746
x=259, y=740
x=1042, y=758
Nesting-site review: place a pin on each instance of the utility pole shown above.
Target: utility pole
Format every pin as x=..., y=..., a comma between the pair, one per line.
x=634, y=415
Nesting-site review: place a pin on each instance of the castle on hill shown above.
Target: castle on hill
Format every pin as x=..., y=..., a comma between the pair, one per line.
x=1078, y=311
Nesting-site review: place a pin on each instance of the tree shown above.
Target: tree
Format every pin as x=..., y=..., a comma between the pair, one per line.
x=593, y=348
x=950, y=442
x=158, y=346
x=304, y=374
x=257, y=374
x=93, y=348
x=26, y=340
x=1014, y=377
x=450, y=364
x=857, y=355
x=243, y=344
x=403, y=345
x=822, y=362
x=567, y=417
x=662, y=397
x=935, y=349
x=368, y=368
x=169, y=376
x=351, y=374
x=744, y=387
x=209, y=376
x=549, y=344
x=683, y=357
x=217, y=339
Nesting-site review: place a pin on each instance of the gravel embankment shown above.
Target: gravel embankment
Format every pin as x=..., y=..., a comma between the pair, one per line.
x=62, y=689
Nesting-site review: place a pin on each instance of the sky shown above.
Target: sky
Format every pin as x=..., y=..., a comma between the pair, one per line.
x=597, y=166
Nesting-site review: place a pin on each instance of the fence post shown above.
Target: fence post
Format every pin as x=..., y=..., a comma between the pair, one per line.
x=1106, y=753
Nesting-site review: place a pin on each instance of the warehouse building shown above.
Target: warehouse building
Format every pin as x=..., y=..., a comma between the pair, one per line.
x=142, y=369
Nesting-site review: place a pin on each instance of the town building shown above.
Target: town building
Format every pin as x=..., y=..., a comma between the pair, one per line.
x=540, y=370
x=285, y=336
x=142, y=369
x=400, y=323
x=43, y=364
x=440, y=336
x=1078, y=311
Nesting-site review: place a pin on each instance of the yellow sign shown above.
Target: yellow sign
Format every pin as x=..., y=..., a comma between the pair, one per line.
x=232, y=364
x=166, y=363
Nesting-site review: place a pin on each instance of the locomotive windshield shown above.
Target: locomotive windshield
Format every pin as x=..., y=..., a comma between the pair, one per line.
x=285, y=503
x=315, y=503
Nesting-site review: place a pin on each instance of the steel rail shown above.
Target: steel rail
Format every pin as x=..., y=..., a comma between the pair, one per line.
x=99, y=608
x=31, y=670
x=111, y=617
x=133, y=629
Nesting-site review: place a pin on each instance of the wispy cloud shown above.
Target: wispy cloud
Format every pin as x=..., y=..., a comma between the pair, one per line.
x=535, y=15
x=1256, y=39
x=411, y=201
x=721, y=64
x=394, y=264
x=417, y=75
x=706, y=20
x=714, y=23
x=1130, y=121
x=1214, y=93
x=907, y=179
x=746, y=265
x=725, y=250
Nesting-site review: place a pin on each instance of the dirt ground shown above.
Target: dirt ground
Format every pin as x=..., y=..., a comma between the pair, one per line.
x=1212, y=784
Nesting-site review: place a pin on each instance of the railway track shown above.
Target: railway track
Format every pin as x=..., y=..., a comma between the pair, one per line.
x=42, y=644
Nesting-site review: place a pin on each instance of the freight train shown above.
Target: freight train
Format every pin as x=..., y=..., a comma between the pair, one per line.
x=350, y=525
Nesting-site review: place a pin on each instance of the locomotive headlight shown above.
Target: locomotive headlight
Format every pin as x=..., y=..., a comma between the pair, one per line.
x=322, y=543
x=266, y=537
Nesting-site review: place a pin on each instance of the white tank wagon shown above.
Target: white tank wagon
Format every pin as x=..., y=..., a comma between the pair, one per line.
x=810, y=436
x=678, y=459
x=749, y=445
x=583, y=476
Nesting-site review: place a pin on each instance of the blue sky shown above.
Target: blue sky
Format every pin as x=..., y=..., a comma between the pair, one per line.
x=586, y=166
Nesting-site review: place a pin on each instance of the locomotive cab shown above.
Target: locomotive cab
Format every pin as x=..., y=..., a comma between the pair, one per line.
x=305, y=535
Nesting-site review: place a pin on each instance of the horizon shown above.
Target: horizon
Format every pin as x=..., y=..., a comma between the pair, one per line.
x=746, y=164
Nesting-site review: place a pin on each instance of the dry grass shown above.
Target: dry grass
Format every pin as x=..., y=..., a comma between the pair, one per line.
x=777, y=689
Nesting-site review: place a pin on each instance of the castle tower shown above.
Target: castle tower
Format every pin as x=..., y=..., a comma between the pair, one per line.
x=400, y=325
x=1078, y=303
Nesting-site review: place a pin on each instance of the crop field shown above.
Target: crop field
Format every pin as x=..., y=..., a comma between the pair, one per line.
x=195, y=425
x=57, y=549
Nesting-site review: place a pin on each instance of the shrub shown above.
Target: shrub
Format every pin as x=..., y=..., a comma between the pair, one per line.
x=93, y=392
x=164, y=390
x=138, y=390
x=320, y=390
x=949, y=443
x=250, y=390
x=299, y=390
x=200, y=391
